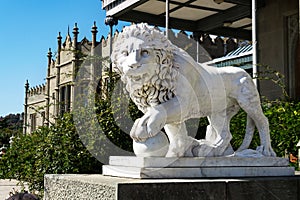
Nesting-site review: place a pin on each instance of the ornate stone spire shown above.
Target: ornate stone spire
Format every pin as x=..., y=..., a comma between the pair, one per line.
x=49, y=55
x=58, y=47
x=68, y=41
x=25, y=107
x=47, y=114
x=75, y=36
x=94, y=35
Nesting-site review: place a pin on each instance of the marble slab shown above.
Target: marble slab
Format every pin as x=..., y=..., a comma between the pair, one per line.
x=201, y=172
x=159, y=162
x=196, y=167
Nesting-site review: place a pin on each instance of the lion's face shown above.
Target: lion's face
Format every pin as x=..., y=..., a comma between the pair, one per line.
x=136, y=61
x=144, y=59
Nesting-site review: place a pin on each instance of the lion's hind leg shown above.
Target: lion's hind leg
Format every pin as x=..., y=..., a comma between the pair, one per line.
x=248, y=98
x=250, y=127
x=254, y=111
x=218, y=132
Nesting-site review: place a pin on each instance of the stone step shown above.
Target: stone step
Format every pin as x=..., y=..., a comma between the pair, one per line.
x=158, y=162
x=200, y=172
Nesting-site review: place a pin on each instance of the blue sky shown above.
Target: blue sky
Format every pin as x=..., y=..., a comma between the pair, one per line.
x=28, y=28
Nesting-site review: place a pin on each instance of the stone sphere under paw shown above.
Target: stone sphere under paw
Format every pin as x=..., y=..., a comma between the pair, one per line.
x=156, y=146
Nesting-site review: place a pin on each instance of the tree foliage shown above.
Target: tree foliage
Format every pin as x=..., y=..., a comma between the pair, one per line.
x=9, y=125
x=54, y=150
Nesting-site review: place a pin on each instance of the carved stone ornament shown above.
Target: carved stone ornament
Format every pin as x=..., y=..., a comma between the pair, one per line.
x=169, y=87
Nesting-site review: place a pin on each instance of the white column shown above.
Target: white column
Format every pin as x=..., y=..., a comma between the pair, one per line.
x=167, y=18
x=254, y=41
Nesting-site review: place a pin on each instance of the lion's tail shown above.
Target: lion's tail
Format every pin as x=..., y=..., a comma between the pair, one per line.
x=250, y=127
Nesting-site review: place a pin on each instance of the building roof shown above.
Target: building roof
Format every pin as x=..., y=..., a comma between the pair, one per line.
x=220, y=17
x=241, y=57
x=240, y=50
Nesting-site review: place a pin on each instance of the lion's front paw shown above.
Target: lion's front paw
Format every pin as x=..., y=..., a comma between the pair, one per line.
x=139, y=131
x=266, y=151
x=148, y=125
x=154, y=119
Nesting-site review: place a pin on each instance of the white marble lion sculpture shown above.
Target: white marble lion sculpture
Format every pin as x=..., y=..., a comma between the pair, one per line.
x=169, y=87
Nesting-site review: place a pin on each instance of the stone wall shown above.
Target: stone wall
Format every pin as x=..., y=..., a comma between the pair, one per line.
x=36, y=105
x=273, y=44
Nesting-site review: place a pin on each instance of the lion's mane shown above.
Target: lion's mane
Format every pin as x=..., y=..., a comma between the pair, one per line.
x=161, y=86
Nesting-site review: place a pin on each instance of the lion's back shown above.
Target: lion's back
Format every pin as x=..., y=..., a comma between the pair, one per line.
x=238, y=81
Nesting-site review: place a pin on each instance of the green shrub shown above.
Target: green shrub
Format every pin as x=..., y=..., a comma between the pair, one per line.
x=284, y=122
x=54, y=150
x=284, y=119
x=9, y=125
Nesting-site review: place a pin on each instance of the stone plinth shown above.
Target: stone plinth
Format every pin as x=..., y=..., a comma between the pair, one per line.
x=196, y=167
x=103, y=187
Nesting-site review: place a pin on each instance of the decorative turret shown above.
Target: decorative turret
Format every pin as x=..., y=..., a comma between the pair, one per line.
x=25, y=107
x=57, y=75
x=94, y=43
x=94, y=35
x=49, y=55
x=68, y=42
x=58, y=47
x=75, y=35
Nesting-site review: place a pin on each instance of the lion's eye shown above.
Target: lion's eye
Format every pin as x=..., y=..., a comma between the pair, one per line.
x=124, y=53
x=144, y=53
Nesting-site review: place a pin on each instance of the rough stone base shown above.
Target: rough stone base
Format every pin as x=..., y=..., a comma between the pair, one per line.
x=214, y=167
x=104, y=187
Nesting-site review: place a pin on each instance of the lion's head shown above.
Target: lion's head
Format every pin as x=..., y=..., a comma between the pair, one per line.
x=144, y=58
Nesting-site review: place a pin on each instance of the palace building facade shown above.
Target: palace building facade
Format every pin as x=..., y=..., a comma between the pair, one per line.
x=44, y=103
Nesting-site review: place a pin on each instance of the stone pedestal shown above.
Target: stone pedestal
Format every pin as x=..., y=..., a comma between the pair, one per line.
x=196, y=167
x=88, y=187
x=231, y=178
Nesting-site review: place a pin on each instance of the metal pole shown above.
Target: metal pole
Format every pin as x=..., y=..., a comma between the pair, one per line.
x=254, y=42
x=110, y=48
x=109, y=20
x=109, y=87
x=196, y=36
x=167, y=18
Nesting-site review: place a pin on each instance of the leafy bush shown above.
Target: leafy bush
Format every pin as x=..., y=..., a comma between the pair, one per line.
x=284, y=119
x=54, y=150
x=284, y=122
